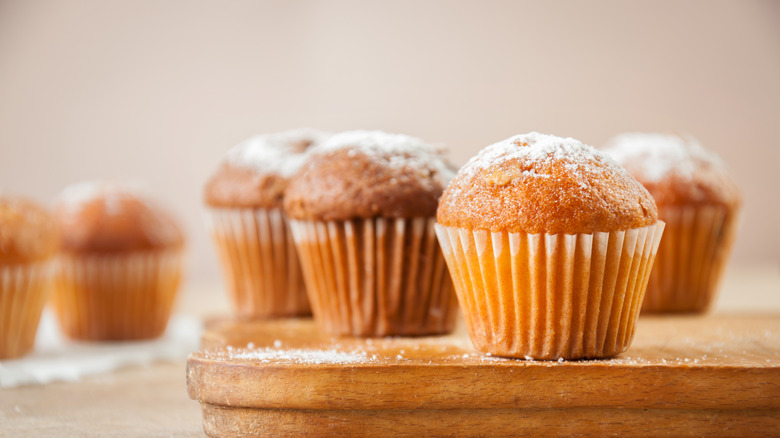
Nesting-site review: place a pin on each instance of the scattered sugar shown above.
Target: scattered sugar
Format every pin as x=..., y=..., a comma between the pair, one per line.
x=283, y=153
x=560, y=360
x=658, y=155
x=395, y=151
x=301, y=356
x=628, y=360
x=277, y=344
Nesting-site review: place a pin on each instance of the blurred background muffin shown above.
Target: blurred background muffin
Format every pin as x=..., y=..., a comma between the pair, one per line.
x=248, y=226
x=362, y=213
x=120, y=266
x=28, y=243
x=700, y=203
x=550, y=245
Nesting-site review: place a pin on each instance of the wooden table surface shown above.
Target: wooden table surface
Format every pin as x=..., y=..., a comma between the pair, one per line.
x=153, y=401
x=135, y=402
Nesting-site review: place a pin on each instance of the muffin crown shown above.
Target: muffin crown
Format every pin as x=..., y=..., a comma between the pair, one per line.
x=28, y=232
x=365, y=174
x=537, y=183
x=254, y=174
x=675, y=169
x=99, y=217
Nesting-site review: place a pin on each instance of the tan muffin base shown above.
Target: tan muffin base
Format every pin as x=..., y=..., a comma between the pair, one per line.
x=540, y=296
x=691, y=258
x=376, y=277
x=116, y=297
x=259, y=263
x=24, y=290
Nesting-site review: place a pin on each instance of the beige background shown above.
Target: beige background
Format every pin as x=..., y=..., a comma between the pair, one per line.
x=156, y=91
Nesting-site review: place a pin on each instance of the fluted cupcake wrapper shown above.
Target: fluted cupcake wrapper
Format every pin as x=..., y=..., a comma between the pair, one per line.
x=116, y=297
x=259, y=262
x=24, y=290
x=376, y=277
x=691, y=258
x=542, y=296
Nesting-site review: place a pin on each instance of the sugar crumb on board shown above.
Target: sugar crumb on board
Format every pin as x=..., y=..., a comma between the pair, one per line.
x=293, y=355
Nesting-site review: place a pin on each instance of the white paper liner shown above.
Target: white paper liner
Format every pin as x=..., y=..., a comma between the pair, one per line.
x=542, y=296
x=24, y=289
x=259, y=262
x=376, y=277
x=691, y=258
x=117, y=297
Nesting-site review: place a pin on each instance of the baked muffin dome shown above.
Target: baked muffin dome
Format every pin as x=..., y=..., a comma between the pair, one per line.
x=364, y=174
x=101, y=217
x=698, y=201
x=254, y=174
x=28, y=232
x=537, y=183
x=675, y=169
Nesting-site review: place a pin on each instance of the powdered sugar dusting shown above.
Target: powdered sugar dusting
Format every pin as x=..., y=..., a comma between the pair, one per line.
x=282, y=153
x=75, y=195
x=654, y=156
x=532, y=153
x=298, y=356
x=396, y=151
x=533, y=148
x=540, y=183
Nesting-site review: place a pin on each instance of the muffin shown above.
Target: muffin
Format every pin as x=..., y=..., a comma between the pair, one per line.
x=362, y=214
x=28, y=244
x=550, y=245
x=700, y=204
x=120, y=264
x=249, y=229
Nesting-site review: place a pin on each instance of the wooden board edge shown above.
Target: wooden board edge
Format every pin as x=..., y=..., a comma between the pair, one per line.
x=245, y=422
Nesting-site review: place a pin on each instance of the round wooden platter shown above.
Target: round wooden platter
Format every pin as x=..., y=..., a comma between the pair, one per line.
x=711, y=375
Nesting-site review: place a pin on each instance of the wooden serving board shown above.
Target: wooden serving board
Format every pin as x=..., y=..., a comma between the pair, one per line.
x=713, y=375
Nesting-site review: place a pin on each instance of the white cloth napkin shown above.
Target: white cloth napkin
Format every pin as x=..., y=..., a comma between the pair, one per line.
x=58, y=359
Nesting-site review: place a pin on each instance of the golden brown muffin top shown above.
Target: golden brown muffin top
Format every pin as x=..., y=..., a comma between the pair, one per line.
x=675, y=169
x=538, y=183
x=365, y=174
x=28, y=232
x=254, y=174
x=102, y=218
